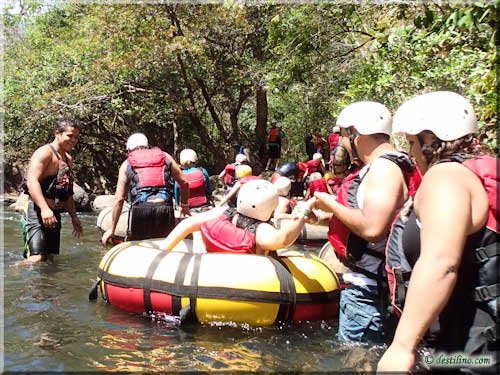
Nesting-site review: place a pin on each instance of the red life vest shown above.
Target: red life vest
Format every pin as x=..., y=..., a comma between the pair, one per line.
x=273, y=136
x=220, y=235
x=348, y=246
x=398, y=266
x=148, y=169
x=302, y=167
x=333, y=140
x=230, y=174
x=313, y=166
x=317, y=185
x=197, y=190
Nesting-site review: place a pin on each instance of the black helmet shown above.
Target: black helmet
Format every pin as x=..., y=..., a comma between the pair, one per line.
x=289, y=169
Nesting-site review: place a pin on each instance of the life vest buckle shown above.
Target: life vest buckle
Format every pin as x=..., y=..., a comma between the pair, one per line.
x=483, y=293
x=490, y=333
x=481, y=255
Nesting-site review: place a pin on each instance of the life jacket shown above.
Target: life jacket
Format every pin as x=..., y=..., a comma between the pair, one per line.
x=220, y=235
x=399, y=267
x=60, y=186
x=333, y=140
x=230, y=174
x=317, y=185
x=197, y=188
x=313, y=166
x=273, y=136
x=348, y=246
x=302, y=168
x=148, y=172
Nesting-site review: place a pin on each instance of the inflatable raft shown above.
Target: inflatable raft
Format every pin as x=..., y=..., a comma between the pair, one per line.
x=310, y=234
x=104, y=220
x=214, y=287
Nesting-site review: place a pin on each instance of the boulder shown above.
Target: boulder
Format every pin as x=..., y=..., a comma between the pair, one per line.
x=81, y=198
x=102, y=201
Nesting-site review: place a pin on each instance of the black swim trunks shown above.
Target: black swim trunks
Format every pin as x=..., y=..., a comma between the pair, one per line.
x=150, y=220
x=40, y=239
x=274, y=151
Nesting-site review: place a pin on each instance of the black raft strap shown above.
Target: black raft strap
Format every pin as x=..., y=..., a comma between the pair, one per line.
x=194, y=285
x=148, y=280
x=287, y=291
x=179, y=280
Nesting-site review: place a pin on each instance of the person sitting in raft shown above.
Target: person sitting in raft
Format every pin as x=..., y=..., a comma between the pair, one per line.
x=285, y=204
x=243, y=175
x=146, y=176
x=317, y=183
x=228, y=173
x=200, y=190
x=446, y=239
x=246, y=228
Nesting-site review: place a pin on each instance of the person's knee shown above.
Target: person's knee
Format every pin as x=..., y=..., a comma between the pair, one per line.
x=37, y=258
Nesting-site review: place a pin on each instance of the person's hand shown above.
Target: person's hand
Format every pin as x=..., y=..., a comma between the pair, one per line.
x=185, y=211
x=77, y=226
x=106, y=236
x=396, y=359
x=305, y=211
x=49, y=220
x=324, y=201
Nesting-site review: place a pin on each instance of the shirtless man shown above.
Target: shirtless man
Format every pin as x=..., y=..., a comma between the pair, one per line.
x=50, y=188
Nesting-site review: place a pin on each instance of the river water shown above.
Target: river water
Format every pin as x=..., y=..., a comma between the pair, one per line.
x=50, y=325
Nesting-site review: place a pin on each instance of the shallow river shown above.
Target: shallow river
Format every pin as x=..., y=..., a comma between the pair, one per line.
x=50, y=325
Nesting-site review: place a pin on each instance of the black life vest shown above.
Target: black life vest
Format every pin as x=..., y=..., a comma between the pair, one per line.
x=348, y=246
x=479, y=266
x=148, y=172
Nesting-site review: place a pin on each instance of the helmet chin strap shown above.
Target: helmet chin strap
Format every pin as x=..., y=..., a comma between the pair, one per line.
x=355, y=156
x=427, y=150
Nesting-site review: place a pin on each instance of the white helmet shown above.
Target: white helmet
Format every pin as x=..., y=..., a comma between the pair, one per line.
x=447, y=114
x=257, y=199
x=336, y=129
x=240, y=158
x=283, y=185
x=315, y=176
x=366, y=117
x=136, y=140
x=188, y=155
x=317, y=156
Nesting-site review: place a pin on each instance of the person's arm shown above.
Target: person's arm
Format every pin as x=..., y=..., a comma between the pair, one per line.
x=443, y=206
x=188, y=226
x=384, y=194
x=328, y=187
x=119, y=198
x=183, y=185
x=69, y=205
x=229, y=195
x=269, y=238
x=40, y=161
x=281, y=212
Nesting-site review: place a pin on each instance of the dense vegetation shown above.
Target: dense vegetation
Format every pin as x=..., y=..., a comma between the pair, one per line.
x=213, y=76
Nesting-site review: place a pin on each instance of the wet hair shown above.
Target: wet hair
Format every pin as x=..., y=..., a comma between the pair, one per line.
x=66, y=122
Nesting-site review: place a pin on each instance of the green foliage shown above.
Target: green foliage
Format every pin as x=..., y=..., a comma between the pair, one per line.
x=188, y=75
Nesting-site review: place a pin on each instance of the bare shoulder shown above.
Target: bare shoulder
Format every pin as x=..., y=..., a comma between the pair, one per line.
x=42, y=153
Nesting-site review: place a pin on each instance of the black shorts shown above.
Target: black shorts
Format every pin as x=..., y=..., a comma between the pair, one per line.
x=40, y=239
x=150, y=220
x=274, y=151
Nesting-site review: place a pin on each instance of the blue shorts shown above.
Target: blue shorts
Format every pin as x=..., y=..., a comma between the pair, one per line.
x=359, y=316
